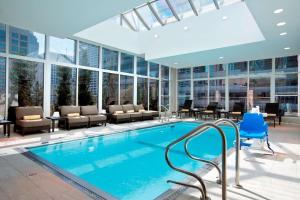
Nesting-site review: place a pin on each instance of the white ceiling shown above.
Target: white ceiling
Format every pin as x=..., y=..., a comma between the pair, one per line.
x=61, y=17
x=249, y=33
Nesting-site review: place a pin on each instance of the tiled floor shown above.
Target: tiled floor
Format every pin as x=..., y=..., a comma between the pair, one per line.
x=263, y=176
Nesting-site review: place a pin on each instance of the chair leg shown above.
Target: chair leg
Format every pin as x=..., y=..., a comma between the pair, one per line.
x=269, y=146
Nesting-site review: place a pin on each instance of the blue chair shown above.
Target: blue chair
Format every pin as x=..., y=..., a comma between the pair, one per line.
x=254, y=126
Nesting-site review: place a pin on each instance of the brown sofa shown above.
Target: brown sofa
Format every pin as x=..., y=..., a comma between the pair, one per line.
x=134, y=115
x=73, y=117
x=92, y=113
x=117, y=114
x=147, y=114
x=31, y=119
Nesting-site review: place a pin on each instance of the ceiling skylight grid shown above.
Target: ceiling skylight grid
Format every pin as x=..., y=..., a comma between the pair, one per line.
x=161, y=12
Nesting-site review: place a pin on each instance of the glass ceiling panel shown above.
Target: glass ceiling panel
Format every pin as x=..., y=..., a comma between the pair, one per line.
x=182, y=8
x=163, y=11
x=134, y=21
x=204, y=5
x=146, y=20
x=148, y=16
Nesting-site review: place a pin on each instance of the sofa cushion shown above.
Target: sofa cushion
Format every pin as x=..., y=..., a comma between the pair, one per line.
x=31, y=117
x=75, y=120
x=73, y=114
x=65, y=110
x=89, y=110
x=96, y=118
x=113, y=108
x=147, y=113
x=127, y=107
x=118, y=112
x=136, y=115
x=33, y=123
x=130, y=111
x=138, y=107
x=121, y=116
x=29, y=110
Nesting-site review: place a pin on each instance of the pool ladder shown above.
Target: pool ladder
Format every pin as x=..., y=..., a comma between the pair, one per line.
x=222, y=179
x=165, y=115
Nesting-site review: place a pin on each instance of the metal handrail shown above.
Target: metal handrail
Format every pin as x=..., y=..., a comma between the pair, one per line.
x=166, y=110
x=237, y=149
x=196, y=132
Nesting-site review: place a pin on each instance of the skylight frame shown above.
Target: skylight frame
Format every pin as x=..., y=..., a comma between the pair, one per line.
x=161, y=12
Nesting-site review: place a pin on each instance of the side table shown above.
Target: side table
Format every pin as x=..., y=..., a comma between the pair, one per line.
x=6, y=127
x=53, y=119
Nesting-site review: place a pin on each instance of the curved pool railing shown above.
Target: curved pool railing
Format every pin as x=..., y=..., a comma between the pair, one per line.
x=197, y=131
x=237, y=150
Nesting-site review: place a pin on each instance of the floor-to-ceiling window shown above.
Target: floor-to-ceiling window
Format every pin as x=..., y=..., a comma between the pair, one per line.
x=165, y=86
x=259, y=92
x=63, y=86
x=88, y=55
x=110, y=89
x=26, y=43
x=73, y=70
x=87, y=87
x=153, y=94
x=200, y=93
x=127, y=63
x=238, y=88
x=260, y=66
x=126, y=89
x=2, y=38
x=26, y=83
x=142, y=66
x=2, y=85
x=109, y=59
x=286, y=83
x=217, y=92
x=142, y=91
x=62, y=50
x=154, y=70
x=183, y=85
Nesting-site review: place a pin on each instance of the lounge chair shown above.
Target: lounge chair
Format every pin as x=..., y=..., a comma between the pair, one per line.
x=253, y=126
x=30, y=119
x=92, y=113
x=211, y=110
x=73, y=117
x=116, y=114
x=237, y=111
x=273, y=112
x=186, y=108
x=134, y=116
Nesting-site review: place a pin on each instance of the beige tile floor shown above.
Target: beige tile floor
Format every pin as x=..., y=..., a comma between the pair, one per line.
x=263, y=176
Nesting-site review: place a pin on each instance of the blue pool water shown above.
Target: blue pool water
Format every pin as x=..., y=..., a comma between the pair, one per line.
x=131, y=165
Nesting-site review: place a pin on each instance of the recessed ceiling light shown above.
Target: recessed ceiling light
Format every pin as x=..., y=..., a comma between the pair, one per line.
x=175, y=63
x=277, y=11
x=281, y=24
x=155, y=36
x=221, y=57
x=283, y=33
x=287, y=48
x=224, y=18
x=185, y=28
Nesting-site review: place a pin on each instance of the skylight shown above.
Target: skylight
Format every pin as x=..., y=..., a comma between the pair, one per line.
x=162, y=12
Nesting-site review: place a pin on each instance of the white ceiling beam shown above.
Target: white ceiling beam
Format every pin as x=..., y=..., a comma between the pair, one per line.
x=155, y=14
x=141, y=19
x=193, y=7
x=172, y=10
